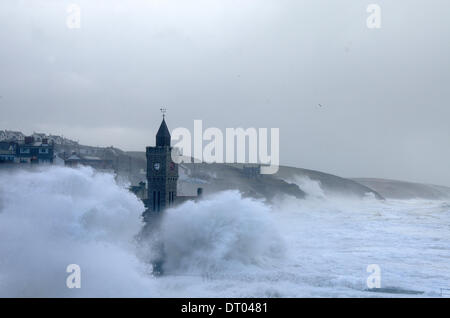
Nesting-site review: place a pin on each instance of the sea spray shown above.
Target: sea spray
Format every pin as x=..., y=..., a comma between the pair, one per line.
x=56, y=216
x=221, y=246
x=223, y=232
x=52, y=217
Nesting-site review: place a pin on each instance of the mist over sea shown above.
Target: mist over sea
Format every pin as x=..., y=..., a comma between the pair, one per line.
x=221, y=246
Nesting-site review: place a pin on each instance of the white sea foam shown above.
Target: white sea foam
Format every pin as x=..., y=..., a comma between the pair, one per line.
x=222, y=233
x=222, y=246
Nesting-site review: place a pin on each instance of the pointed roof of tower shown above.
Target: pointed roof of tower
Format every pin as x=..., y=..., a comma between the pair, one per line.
x=163, y=135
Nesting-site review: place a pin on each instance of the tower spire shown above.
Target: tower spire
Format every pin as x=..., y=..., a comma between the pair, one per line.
x=163, y=135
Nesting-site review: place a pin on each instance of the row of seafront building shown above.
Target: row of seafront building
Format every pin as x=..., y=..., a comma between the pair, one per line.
x=27, y=150
x=16, y=147
x=11, y=135
x=42, y=149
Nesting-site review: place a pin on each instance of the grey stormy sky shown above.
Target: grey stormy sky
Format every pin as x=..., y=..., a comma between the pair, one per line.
x=249, y=63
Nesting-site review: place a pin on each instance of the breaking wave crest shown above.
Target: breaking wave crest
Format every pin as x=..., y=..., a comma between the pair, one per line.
x=221, y=246
x=223, y=232
x=55, y=216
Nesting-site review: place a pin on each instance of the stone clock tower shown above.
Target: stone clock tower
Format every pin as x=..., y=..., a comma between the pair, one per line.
x=162, y=172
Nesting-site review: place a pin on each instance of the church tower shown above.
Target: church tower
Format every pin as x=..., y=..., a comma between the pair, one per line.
x=162, y=172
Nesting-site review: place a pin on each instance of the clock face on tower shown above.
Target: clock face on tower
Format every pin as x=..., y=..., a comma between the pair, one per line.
x=156, y=166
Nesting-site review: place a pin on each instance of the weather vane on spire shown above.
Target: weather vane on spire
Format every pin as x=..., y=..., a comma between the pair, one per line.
x=163, y=111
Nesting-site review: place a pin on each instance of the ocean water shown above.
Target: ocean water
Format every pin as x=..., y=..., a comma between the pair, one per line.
x=222, y=246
